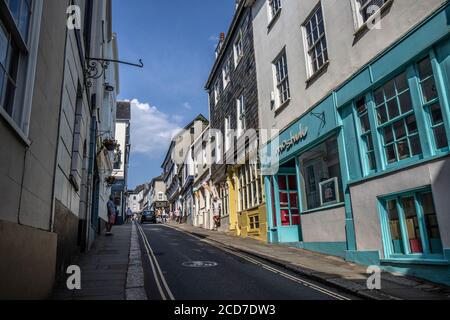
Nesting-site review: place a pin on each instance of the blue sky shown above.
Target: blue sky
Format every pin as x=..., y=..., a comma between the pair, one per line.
x=176, y=40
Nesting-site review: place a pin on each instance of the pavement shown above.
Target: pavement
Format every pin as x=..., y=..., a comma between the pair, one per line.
x=327, y=270
x=105, y=269
x=178, y=266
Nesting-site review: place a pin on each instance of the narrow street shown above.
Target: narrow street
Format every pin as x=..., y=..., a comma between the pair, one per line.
x=179, y=266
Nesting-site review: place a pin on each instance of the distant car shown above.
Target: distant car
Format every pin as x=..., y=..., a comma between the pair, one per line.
x=148, y=216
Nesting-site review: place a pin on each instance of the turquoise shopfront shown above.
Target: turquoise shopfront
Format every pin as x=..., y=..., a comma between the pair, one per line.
x=365, y=174
x=307, y=181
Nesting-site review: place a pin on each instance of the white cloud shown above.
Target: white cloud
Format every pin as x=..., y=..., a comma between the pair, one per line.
x=187, y=106
x=151, y=129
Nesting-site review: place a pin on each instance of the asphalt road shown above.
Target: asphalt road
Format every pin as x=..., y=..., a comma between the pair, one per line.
x=179, y=266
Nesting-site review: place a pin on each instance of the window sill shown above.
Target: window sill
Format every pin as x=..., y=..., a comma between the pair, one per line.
x=15, y=128
x=281, y=108
x=365, y=26
x=416, y=261
x=318, y=73
x=274, y=20
x=334, y=206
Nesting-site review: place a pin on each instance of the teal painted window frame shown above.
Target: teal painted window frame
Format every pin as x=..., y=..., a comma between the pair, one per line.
x=426, y=105
x=362, y=144
x=390, y=255
x=419, y=110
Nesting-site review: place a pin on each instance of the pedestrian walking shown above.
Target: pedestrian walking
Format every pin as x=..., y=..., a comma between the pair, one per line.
x=129, y=215
x=111, y=207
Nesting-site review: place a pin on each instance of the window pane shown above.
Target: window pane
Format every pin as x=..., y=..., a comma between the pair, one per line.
x=401, y=83
x=412, y=225
x=411, y=124
x=441, y=137
x=285, y=218
x=282, y=185
x=390, y=154
x=399, y=129
x=436, y=114
x=379, y=96
x=392, y=107
x=293, y=197
x=425, y=68
x=3, y=45
x=431, y=223
x=416, y=148
x=388, y=136
x=382, y=114
x=389, y=89
x=365, y=124
x=405, y=102
x=429, y=90
x=395, y=229
x=292, y=183
x=403, y=150
x=372, y=161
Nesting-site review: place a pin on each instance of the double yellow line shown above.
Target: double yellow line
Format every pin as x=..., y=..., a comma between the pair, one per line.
x=160, y=280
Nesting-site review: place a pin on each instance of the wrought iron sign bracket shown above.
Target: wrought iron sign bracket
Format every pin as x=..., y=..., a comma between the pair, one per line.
x=321, y=116
x=96, y=68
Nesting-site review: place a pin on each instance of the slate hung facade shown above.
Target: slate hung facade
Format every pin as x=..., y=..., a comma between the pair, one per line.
x=233, y=99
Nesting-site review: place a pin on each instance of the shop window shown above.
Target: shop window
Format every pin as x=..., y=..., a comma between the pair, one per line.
x=397, y=121
x=289, y=200
x=321, y=175
x=412, y=226
x=430, y=99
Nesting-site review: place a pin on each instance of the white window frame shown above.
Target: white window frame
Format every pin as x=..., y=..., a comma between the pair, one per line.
x=278, y=67
x=26, y=77
x=310, y=50
x=241, y=115
x=274, y=8
x=216, y=92
x=227, y=133
x=238, y=49
x=226, y=73
x=160, y=196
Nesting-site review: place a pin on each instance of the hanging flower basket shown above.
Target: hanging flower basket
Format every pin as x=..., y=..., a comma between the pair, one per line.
x=110, y=144
x=110, y=180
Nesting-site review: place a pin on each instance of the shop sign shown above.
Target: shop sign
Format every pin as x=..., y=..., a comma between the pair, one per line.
x=288, y=144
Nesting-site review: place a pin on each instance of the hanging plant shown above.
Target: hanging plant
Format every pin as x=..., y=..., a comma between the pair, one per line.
x=110, y=144
x=110, y=180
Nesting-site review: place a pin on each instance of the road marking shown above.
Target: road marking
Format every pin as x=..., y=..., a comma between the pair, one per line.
x=151, y=255
x=200, y=264
x=267, y=267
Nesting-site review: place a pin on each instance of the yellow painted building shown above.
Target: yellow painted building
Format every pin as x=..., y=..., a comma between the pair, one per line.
x=248, y=217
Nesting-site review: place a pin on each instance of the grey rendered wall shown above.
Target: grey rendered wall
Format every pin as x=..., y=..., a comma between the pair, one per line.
x=347, y=53
x=365, y=202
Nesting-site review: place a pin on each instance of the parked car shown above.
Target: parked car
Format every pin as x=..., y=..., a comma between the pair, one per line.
x=148, y=216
